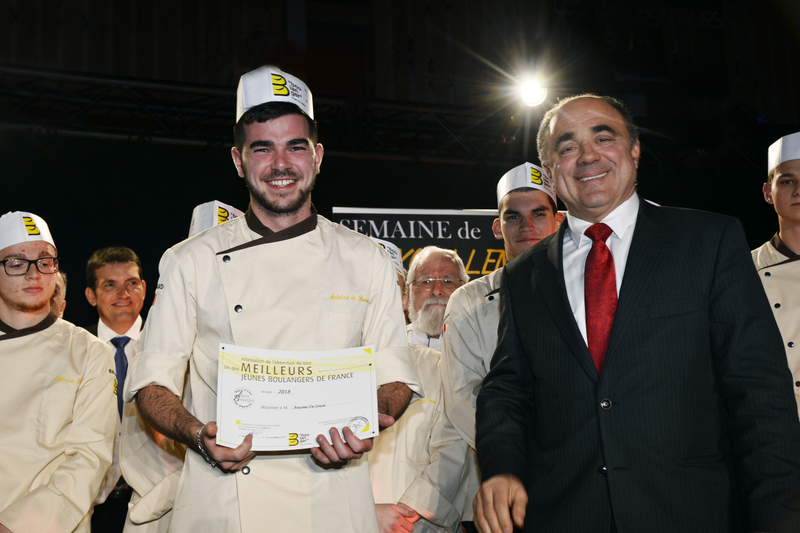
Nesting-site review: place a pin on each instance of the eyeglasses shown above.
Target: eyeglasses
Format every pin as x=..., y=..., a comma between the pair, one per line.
x=428, y=281
x=20, y=267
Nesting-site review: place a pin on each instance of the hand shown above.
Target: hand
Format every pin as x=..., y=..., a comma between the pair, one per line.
x=385, y=421
x=497, y=495
x=228, y=460
x=395, y=518
x=341, y=450
x=4, y=529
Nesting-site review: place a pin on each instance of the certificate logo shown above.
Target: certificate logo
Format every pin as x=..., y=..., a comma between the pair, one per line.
x=358, y=424
x=243, y=398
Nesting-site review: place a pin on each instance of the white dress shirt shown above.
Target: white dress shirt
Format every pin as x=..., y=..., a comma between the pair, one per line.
x=105, y=334
x=622, y=221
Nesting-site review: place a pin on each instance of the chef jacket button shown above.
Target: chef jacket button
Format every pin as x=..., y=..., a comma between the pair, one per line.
x=238, y=308
x=767, y=274
x=246, y=470
x=491, y=298
x=797, y=383
x=226, y=259
x=605, y=404
x=791, y=344
x=602, y=471
x=777, y=306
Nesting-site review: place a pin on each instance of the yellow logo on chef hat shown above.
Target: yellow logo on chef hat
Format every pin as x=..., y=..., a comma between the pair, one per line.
x=536, y=176
x=30, y=226
x=279, y=85
x=222, y=215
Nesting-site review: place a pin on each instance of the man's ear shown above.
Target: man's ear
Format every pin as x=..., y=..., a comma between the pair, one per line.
x=91, y=297
x=498, y=234
x=767, y=190
x=320, y=151
x=237, y=160
x=559, y=217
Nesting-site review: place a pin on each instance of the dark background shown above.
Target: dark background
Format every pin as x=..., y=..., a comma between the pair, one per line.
x=116, y=117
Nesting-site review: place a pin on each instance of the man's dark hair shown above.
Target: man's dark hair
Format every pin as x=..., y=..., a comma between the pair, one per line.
x=553, y=205
x=544, y=126
x=270, y=111
x=112, y=254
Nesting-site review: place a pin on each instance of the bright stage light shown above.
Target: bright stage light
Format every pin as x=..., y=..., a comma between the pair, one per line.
x=533, y=93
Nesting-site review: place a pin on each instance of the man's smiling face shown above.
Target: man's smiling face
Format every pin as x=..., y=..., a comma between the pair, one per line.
x=118, y=294
x=279, y=163
x=591, y=159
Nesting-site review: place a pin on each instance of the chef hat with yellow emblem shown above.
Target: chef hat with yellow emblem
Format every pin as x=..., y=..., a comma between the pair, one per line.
x=784, y=149
x=21, y=226
x=210, y=214
x=528, y=176
x=394, y=253
x=268, y=84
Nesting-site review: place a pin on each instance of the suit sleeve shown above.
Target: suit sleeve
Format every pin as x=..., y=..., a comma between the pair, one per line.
x=756, y=389
x=65, y=500
x=505, y=401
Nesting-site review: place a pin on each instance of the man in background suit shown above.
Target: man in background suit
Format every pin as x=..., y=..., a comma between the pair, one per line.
x=114, y=285
x=639, y=382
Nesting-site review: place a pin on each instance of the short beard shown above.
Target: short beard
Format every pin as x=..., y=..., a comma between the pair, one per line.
x=270, y=207
x=428, y=320
x=23, y=307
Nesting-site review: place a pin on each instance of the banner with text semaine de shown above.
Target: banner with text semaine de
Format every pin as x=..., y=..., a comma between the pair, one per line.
x=468, y=232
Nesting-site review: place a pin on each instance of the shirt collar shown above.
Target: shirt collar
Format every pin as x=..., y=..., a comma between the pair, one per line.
x=105, y=333
x=620, y=220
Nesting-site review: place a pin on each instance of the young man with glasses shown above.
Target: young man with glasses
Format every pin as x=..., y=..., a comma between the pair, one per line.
x=57, y=393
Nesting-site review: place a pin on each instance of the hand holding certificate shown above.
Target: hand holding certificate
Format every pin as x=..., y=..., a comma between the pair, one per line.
x=285, y=399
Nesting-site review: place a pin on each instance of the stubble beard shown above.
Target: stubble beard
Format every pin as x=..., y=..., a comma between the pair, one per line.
x=270, y=206
x=25, y=307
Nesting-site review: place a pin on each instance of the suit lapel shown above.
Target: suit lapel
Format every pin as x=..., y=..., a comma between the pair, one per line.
x=648, y=240
x=548, y=273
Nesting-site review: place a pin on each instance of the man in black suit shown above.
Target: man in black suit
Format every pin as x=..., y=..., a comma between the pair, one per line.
x=114, y=285
x=639, y=382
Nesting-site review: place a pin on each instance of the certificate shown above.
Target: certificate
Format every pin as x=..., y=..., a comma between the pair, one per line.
x=285, y=399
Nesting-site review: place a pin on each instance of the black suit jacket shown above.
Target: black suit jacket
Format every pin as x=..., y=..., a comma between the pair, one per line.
x=692, y=425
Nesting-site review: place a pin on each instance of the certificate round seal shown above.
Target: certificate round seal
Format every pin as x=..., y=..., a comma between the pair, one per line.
x=243, y=398
x=357, y=424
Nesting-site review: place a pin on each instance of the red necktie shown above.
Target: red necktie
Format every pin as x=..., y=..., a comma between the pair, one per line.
x=600, y=292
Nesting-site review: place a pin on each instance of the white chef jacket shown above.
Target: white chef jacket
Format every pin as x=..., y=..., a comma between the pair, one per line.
x=468, y=344
x=57, y=429
x=421, y=459
x=420, y=338
x=780, y=276
x=240, y=283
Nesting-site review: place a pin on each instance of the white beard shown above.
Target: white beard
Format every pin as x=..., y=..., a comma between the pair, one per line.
x=430, y=318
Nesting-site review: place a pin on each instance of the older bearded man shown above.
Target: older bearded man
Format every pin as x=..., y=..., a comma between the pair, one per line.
x=433, y=276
